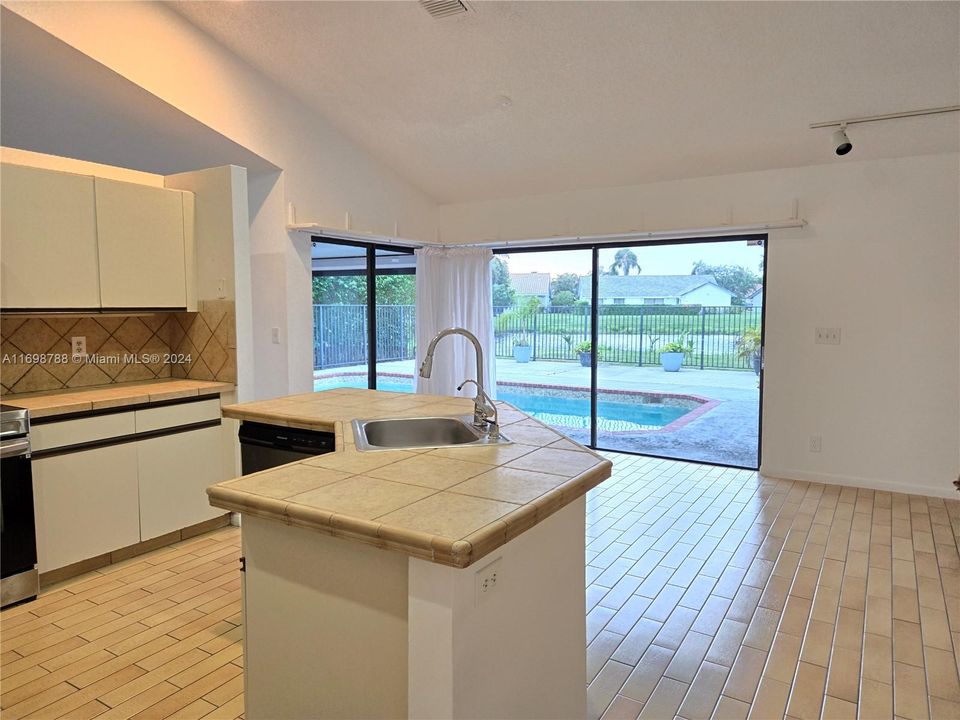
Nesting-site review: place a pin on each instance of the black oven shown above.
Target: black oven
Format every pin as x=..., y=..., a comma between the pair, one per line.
x=18, y=535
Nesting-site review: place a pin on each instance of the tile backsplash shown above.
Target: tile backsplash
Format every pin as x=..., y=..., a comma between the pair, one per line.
x=35, y=352
x=206, y=342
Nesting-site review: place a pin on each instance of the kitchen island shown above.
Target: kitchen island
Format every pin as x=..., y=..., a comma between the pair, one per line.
x=427, y=583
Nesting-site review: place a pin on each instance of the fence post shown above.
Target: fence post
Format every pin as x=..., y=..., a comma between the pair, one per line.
x=320, y=334
x=641, y=337
x=534, y=351
x=703, y=332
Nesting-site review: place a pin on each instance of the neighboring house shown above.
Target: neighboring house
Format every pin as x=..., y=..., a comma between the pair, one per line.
x=754, y=298
x=532, y=284
x=658, y=290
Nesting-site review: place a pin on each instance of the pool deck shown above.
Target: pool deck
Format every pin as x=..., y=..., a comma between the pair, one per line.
x=727, y=434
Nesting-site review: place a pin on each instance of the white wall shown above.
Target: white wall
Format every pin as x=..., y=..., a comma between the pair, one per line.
x=879, y=259
x=324, y=174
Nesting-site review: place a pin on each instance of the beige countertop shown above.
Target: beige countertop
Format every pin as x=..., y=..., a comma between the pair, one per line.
x=448, y=505
x=62, y=402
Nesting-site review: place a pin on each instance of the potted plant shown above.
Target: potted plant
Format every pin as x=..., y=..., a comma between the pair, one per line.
x=585, y=352
x=748, y=346
x=672, y=353
x=522, y=350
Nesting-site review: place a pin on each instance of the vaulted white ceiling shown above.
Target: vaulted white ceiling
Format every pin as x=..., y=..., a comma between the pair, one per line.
x=604, y=93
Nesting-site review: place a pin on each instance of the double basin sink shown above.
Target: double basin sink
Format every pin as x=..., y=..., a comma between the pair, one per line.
x=420, y=432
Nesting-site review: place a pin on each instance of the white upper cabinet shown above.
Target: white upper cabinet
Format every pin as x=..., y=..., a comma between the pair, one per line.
x=48, y=231
x=141, y=246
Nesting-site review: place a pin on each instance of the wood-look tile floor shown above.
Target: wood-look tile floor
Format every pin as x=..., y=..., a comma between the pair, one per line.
x=155, y=636
x=710, y=594
x=713, y=593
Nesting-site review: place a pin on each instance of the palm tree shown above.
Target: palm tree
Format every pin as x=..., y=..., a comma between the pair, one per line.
x=625, y=260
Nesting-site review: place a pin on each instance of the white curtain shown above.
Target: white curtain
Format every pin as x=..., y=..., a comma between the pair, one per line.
x=454, y=290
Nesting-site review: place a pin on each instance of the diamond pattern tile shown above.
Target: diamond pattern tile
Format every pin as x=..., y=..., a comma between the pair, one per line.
x=207, y=338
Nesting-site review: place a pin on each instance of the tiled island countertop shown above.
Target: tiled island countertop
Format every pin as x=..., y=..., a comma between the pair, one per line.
x=50, y=403
x=448, y=505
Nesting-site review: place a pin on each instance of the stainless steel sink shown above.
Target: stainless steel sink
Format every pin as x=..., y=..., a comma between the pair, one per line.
x=420, y=432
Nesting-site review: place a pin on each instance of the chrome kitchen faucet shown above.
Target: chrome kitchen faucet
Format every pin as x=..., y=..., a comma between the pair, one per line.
x=484, y=409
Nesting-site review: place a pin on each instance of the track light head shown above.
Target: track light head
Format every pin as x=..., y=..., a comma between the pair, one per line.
x=841, y=142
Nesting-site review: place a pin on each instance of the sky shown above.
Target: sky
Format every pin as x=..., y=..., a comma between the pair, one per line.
x=653, y=259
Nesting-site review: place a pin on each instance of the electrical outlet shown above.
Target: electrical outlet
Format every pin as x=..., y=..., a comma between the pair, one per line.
x=827, y=336
x=222, y=288
x=275, y=335
x=78, y=346
x=489, y=578
x=816, y=442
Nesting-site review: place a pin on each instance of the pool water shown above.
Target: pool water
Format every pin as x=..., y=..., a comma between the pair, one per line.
x=360, y=381
x=570, y=412
x=612, y=416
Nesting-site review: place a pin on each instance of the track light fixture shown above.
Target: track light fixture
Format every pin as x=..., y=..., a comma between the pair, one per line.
x=842, y=144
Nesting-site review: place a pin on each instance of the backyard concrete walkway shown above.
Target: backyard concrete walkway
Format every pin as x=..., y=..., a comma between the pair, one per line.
x=726, y=434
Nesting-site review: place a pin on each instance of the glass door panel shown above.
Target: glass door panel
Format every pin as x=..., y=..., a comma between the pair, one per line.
x=678, y=325
x=542, y=333
x=340, y=352
x=395, y=280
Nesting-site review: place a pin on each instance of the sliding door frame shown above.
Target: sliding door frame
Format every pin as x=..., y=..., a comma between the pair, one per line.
x=761, y=238
x=370, y=272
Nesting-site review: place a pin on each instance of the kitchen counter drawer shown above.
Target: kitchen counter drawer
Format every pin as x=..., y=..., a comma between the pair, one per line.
x=63, y=433
x=158, y=418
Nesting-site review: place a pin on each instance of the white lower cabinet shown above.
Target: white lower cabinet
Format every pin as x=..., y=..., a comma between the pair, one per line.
x=86, y=504
x=174, y=472
x=94, y=501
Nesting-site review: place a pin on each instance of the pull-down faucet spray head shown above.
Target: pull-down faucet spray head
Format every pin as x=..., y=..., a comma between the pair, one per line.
x=426, y=367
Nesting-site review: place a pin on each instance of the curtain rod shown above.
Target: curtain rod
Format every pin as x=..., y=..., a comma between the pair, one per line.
x=719, y=231
x=637, y=235
x=336, y=234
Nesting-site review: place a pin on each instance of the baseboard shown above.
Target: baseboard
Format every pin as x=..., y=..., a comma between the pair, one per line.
x=947, y=492
x=51, y=577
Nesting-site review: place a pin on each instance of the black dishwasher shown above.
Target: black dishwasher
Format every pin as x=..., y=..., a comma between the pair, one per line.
x=265, y=446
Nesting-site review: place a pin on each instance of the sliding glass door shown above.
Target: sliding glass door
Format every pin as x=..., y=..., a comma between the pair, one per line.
x=650, y=348
x=543, y=330
x=363, y=315
x=396, y=317
x=679, y=327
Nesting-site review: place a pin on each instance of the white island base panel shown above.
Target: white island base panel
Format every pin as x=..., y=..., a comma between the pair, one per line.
x=339, y=629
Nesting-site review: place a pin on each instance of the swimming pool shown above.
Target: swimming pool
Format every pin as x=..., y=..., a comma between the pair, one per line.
x=564, y=408
x=616, y=412
x=357, y=380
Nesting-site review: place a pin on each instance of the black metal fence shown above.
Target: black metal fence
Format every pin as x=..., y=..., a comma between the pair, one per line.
x=628, y=334
x=340, y=334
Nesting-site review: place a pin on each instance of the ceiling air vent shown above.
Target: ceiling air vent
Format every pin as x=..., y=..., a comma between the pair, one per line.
x=444, y=8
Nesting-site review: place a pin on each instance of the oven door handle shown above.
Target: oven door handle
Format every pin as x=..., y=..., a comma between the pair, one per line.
x=13, y=448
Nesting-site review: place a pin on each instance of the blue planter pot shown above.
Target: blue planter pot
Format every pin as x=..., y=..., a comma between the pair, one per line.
x=522, y=353
x=586, y=359
x=671, y=361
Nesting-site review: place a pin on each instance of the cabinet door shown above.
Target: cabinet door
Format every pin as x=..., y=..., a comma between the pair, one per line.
x=175, y=471
x=141, y=246
x=86, y=504
x=49, y=230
